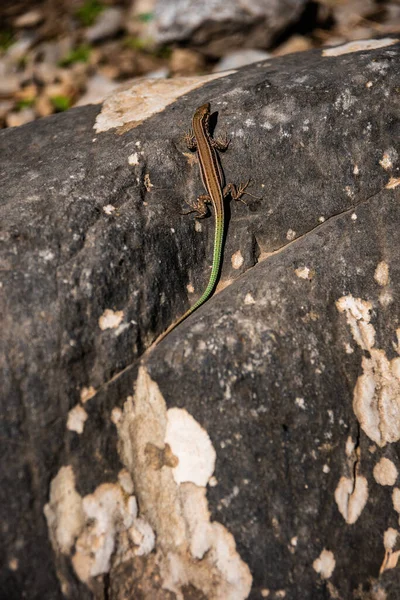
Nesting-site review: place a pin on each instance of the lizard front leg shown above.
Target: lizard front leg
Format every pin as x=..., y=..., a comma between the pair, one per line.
x=237, y=193
x=220, y=143
x=199, y=206
x=190, y=140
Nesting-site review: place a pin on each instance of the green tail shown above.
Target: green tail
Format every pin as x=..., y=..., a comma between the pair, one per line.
x=216, y=265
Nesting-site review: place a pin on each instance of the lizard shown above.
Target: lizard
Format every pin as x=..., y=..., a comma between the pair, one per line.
x=199, y=139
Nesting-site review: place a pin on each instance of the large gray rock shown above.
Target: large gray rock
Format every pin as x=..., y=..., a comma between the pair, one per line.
x=282, y=392
x=218, y=26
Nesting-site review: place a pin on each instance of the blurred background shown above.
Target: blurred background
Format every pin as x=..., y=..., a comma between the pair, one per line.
x=55, y=54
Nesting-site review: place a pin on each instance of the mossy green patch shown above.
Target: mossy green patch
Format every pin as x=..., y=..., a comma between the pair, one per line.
x=89, y=11
x=79, y=54
x=61, y=103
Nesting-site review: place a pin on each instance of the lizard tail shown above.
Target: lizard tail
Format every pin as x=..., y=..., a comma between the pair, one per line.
x=215, y=269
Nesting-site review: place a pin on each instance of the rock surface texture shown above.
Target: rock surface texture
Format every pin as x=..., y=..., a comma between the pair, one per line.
x=254, y=453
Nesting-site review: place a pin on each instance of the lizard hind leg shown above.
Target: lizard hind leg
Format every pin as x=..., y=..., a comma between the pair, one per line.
x=199, y=206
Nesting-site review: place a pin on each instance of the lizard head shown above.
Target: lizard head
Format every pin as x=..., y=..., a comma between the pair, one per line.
x=202, y=111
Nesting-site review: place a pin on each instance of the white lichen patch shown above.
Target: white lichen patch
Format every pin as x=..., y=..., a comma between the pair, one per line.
x=47, y=255
x=351, y=497
x=143, y=536
x=381, y=274
x=350, y=447
x=147, y=182
x=277, y=113
x=133, y=104
x=391, y=558
x=195, y=510
x=116, y=415
x=390, y=538
x=125, y=481
x=393, y=183
x=325, y=564
x=396, y=499
x=87, y=393
x=304, y=273
x=102, y=528
x=237, y=260
x=123, y=327
x=226, y=501
x=376, y=400
x=109, y=209
x=248, y=299
x=133, y=159
x=64, y=511
x=76, y=419
x=110, y=319
x=223, y=284
x=111, y=529
x=385, y=472
x=13, y=564
x=300, y=403
x=395, y=364
x=290, y=235
x=358, y=316
x=386, y=161
x=385, y=298
x=359, y=46
x=345, y=100
x=190, y=443
x=190, y=549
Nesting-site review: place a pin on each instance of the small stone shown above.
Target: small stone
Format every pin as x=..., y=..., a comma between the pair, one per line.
x=44, y=73
x=137, y=26
x=296, y=43
x=5, y=108
x=18, y=50
x=15, y=119
x=240, y=58
x=75, y=77
x=51, y=53
x=162, y=73
x=186, y=62
x=43, y=106
x=28, y=92
x=58, y=89
x=97, y=88
x=107, y=25
x=9, y=85
x=29, y=19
